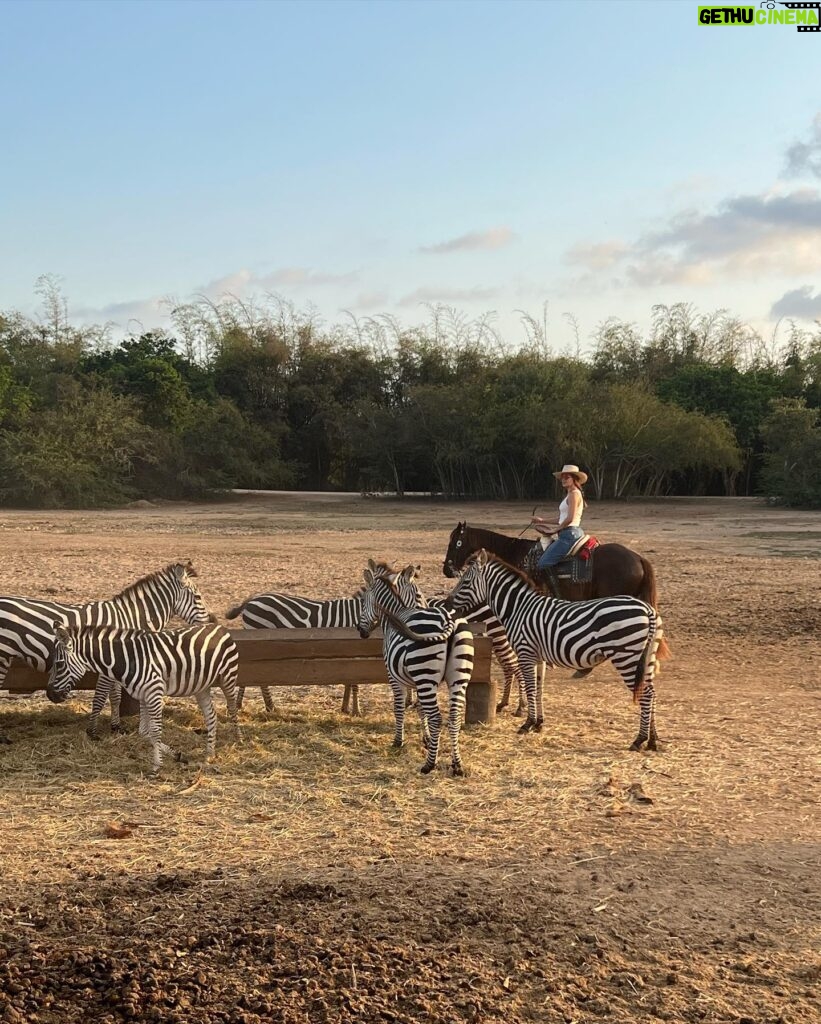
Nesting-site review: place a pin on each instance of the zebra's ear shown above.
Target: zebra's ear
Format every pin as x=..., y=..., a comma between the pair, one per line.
x=368, y=575
x=189, y=568
x=371, y=565
x=60, y=632
x=481, y=557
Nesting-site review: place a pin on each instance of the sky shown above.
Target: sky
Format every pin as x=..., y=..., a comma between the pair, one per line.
x=367, y=158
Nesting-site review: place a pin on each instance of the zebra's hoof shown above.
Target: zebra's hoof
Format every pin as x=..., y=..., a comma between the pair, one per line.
x=638, y=742
x=180, y=757
x=520, y=712
x=581, y=673
x=501, y=707
x=119, y=730
x=4, y=739
x=539, y=725
x=398, y=744
x=525, y=727
x=458, y=770
x=93, y=735
x=426, y=769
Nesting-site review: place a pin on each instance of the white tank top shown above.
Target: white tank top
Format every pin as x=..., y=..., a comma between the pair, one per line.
x=564, y=509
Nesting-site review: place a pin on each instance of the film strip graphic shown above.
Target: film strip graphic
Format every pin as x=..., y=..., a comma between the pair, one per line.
x=816, y=6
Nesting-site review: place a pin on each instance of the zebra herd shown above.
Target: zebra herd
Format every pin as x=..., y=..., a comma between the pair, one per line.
x=126, y=642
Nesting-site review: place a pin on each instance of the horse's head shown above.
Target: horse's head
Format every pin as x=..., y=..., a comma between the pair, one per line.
x=457, y=552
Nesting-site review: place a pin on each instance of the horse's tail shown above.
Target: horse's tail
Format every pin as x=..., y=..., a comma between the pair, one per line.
x=639, y=679
x=649, y=594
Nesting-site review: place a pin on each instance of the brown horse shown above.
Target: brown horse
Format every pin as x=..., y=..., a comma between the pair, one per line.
x=616, y=570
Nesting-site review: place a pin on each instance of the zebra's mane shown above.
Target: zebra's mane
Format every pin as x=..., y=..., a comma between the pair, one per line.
x=145, y=581
x=514, y=571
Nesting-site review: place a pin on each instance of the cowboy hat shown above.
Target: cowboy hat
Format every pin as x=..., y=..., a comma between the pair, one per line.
x=574, y=471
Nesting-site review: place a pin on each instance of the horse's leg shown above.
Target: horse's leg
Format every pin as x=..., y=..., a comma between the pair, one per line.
x=527, y=664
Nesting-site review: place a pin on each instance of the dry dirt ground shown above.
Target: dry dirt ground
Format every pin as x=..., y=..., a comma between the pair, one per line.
x=318, y=877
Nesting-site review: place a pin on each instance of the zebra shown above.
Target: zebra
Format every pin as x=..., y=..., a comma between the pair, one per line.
x=150, y=665
x=578, y=634
x=26, y=624
x=421, y=647
x=283, y=611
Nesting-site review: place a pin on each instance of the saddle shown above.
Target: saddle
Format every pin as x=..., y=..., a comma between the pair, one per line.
x=576, y=566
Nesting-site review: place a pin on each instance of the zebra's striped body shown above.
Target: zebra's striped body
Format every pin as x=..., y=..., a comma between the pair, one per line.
x=422, y=647
x=27, y=624
x=577, y=635
x=282, y=611
x=150, y=665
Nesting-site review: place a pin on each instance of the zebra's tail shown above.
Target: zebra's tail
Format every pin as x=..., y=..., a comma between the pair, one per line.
x=640, y=678
x=649, y=594
x=232, y=613
x=405, y=630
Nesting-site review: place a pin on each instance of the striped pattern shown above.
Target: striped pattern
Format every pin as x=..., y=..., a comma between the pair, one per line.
x=27, y=624
x=577, y=635
x=441, y=651
x=283, y=611
x=149, y=665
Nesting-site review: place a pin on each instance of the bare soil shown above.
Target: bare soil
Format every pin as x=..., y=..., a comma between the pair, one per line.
x=317, y=876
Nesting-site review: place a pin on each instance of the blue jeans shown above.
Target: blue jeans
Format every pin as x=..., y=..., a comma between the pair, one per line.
x=556, y=551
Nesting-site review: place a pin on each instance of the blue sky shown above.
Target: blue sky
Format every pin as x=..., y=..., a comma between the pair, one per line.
x=601, y=157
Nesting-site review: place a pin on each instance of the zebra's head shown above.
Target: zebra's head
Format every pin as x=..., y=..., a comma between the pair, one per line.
x=471, y=590
x=68, y=667
x=188, y=601
x=381, y=583
x=456, y=552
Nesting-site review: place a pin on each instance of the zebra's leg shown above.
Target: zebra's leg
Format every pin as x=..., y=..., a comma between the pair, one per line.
x=153, y=704
x=458, y=694
x=268, y=699
x=356, y=707
x=398, y=691
x=98, y=703
x=231, y=690
x=528, y=666
x=210, y=717
x=4, y=667
x=114, y=699
x=240, y=697
x=423, y=722
x=145, y=720
x=429, y=709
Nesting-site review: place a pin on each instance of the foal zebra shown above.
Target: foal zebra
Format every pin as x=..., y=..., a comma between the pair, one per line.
x=175, y=663
x=27, y=624
x=421, y=647
x=578, y=634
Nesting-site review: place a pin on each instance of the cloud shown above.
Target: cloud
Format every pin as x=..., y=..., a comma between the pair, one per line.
x=805, y=157
x=244, y=282
x=370, y=300
x=799, y=303
x=145, y=313
x=493, y=238
x=746, y=236
x=448, y=295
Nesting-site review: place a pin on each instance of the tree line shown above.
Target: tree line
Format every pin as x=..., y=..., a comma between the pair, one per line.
x=264, y=396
